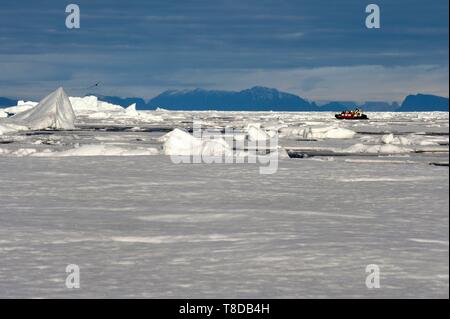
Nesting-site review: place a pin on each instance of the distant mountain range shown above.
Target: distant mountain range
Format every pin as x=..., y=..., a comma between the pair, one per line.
x=264, y=99
x=267, y=99
x=254, y=99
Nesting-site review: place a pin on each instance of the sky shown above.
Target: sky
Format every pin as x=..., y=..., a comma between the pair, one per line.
x=318, y=49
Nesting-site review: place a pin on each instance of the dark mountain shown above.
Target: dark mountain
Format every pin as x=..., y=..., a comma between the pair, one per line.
x=263, y=99
x=254, y=99
x=5, y=102
x=424, y=103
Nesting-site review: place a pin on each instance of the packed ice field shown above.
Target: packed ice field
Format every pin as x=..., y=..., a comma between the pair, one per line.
x=99, y=188
x=100, y=128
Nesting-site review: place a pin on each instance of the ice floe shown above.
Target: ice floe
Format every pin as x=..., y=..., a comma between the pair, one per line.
x=378, y=149
x=318, y=132
x=406, y=140
x=101, y=150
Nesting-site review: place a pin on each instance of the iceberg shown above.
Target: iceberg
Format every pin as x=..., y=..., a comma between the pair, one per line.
x=255, y=133
x=133, y=113
x=53, y=112
x=131, y=110
x=181, y=143
x=91, y=104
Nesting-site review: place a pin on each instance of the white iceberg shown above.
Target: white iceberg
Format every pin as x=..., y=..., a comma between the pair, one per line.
x=216, y=147
x=146, y=116
x=91, y=104
x=181, y=143
x=53, y=112
x=131, y=110
x=255, y=133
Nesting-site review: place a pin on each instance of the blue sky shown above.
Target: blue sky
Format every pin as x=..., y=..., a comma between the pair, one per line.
x=320, y=49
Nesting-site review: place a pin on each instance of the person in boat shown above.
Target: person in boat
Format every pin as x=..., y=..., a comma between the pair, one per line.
x=352, y=114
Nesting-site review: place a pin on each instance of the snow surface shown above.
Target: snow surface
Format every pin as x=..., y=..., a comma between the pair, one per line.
x=145, y=227
x=105, y=196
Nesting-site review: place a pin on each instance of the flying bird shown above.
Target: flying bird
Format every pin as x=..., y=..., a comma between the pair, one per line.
x=95, y=85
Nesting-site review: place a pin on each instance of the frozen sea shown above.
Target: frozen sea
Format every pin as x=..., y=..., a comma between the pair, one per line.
x=144, y=227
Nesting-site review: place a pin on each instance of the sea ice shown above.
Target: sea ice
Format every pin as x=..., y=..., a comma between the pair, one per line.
x=380, y=149
x=101, y=150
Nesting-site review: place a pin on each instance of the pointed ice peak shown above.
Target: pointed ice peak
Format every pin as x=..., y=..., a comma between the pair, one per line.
x=131, y=107
x=53, y=112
